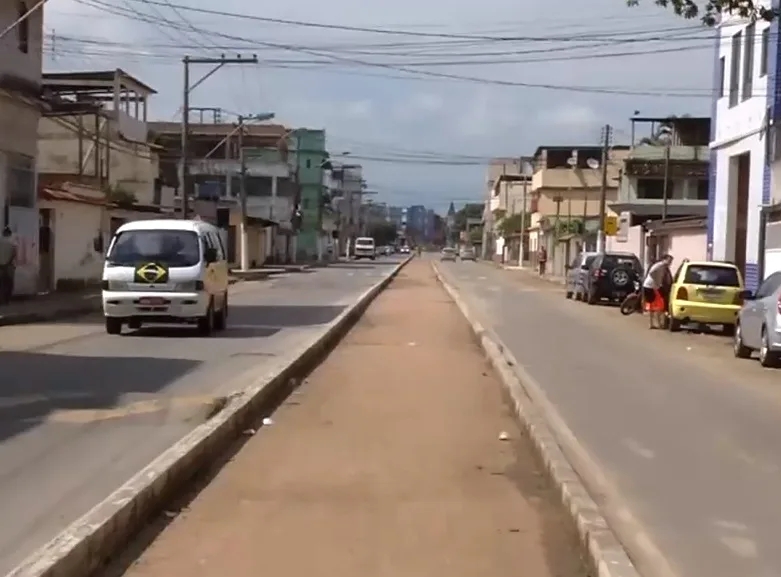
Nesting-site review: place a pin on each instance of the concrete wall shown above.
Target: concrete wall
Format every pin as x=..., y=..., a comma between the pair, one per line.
x=76, y=226
x=132, y=167
x=12, y=60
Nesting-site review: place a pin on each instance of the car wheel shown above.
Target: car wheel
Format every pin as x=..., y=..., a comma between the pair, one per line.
x=221, y=318
x=134, y=324
x=740, y=350
x=113, y=326
x=673, y=324
x=206, y=322
x=767, y=357
x=728, y=330
x=592, y=297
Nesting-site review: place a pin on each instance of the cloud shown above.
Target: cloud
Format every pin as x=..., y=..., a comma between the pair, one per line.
x=314, y=76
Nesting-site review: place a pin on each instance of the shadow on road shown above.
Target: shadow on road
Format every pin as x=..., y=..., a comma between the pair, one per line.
x=265, y=317
x=35, y=385
x=363, y=265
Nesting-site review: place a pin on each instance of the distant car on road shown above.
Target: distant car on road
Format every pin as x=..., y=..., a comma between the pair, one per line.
x=364, y=248
x=448, y=253
x=467, y=253
x=404, y=249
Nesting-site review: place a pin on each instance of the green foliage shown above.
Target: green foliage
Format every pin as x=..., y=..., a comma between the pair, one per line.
x=476, y=235
x=119, y=195
x=469, y=210
x=383, y=234
x=709, y=10
x=574, y=226
x=499, y=213
x=513, y=224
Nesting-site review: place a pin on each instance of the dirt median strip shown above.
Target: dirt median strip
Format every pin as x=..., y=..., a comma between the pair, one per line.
x=398, y=456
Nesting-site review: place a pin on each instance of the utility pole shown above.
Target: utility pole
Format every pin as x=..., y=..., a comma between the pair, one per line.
x=526, y=177
x=607, y=133
x=666, y=189
x=187, y=89
x=243, y=232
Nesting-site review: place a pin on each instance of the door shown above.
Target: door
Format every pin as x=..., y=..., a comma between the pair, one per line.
x=741, y=212
x=45, y=250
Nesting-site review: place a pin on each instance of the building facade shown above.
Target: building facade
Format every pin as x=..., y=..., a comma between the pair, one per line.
x=745, y=104
x=310, y=158
x=20, y=92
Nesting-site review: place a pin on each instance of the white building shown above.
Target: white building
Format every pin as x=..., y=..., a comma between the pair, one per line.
x=740, y=180
x=20, y=90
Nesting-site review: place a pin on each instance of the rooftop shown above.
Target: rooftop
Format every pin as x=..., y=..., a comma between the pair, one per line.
x=93, y=81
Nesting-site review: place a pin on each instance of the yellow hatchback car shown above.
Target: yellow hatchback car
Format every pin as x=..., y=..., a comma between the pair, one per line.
x=706, y=292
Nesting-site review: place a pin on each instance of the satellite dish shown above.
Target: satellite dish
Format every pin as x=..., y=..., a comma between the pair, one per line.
x=572, y=161
x=592, y=163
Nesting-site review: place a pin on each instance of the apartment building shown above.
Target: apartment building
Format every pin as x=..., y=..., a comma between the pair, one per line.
x=20, y=107
x=743, y=150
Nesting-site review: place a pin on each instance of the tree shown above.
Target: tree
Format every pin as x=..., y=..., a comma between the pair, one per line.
x=513, y=224
x=709, y=10
x=383, y=233
x=470, y=210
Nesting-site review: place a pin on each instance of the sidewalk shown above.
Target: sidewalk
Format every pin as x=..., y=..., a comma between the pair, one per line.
x=386, y=462
x=49, y=307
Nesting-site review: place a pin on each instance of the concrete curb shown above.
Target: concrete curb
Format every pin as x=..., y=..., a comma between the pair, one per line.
x=605, y=552
x=82, y=547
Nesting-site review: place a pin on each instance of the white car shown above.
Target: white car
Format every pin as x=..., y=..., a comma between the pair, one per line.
x=364, y=248
x=404, y=249
x=166, y=271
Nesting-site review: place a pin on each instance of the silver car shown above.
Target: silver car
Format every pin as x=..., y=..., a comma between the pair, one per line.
x=448, y=254
x=467, y=253
x=758, y=327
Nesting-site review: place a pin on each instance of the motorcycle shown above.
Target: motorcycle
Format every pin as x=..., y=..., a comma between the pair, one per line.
x=633, y=302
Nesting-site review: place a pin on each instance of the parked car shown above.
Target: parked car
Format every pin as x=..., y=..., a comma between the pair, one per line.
x=467, y=253
x=577, y=271
x=706, y=292
x=448, y=253
x=611, y=276
x=757, y=326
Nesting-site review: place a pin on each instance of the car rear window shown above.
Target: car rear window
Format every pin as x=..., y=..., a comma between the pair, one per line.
x=712, y=274
x=614, y=260
x=589, y=260
x=448, y=250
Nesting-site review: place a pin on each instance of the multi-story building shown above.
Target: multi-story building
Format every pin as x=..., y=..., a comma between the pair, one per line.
x=349, y=185
x=96, y=133
x=20, y=96
x=742, y=149
x=416, y=222
x=665, y=172
x=310, y=159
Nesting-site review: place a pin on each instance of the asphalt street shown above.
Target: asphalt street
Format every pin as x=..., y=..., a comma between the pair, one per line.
x=686, y=435
x=82, y=411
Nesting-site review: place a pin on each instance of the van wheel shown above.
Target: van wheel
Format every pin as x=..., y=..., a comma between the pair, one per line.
x=221, y=318
x=113, y=326
x=134, y=324
x=206, y=322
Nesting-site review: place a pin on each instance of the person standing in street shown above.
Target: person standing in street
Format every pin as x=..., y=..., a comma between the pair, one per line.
x=542, y=259
x=653, y=285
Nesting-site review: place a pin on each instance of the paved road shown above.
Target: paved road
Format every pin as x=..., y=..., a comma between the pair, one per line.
x=81, y=411
x=688, y=435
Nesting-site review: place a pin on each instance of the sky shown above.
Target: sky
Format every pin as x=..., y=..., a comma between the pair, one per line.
x=425, y=93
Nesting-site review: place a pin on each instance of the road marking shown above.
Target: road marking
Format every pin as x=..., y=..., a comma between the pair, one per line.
x=740, y=546
x=638, y=449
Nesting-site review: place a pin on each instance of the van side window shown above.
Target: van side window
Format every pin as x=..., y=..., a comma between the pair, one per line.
x=207, y=243
x=217, y=242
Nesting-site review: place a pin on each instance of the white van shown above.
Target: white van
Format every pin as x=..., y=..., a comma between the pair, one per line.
x=364, y=248
x=166, y=271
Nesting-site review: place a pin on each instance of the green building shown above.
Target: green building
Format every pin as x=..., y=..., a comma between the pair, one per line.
x=310, y=158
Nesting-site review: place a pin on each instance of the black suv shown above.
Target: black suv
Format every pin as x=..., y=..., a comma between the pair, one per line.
x=612, y=276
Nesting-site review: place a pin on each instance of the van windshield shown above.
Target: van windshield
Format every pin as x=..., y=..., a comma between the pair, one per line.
x=173, y=248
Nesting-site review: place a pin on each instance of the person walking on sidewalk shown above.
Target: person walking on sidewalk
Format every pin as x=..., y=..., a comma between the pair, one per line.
x=653, y=285
x=7, y=265
x=542, y=259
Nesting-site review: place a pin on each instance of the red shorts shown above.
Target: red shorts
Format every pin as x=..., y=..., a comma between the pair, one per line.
x=655, y=305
